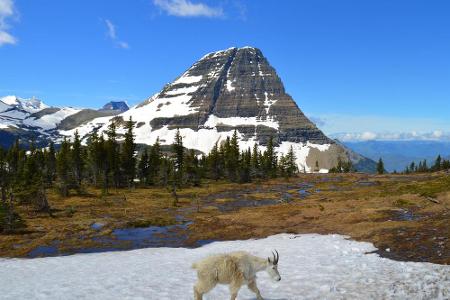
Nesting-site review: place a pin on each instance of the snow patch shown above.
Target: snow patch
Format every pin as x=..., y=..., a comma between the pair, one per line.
x=312, y=266
x=235, y=121
x=185, y=79
x=230, y=86
x=184, y=90
x=268, y=103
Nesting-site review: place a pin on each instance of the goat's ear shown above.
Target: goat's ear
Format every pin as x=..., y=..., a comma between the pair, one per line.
x=268, y=259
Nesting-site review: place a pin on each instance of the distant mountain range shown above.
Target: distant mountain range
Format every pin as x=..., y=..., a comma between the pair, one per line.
x=31, y=119
x=398, y=154
x=228, y=90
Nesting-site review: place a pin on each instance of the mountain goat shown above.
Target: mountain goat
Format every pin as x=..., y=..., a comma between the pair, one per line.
x=234, y=269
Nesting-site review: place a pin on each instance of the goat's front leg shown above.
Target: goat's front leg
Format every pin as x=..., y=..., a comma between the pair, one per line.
x=252, y=286
x=234, y=289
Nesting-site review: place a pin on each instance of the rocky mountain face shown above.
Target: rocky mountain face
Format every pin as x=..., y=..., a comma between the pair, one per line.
x=121, y=106
x=234, y=89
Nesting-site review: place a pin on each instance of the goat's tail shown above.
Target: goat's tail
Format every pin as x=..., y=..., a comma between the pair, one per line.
x=194, y=266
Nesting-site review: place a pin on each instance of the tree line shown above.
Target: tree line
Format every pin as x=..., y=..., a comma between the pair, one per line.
x=439, y=164
x=107, y=161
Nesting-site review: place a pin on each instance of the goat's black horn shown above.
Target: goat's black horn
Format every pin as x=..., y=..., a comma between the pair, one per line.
x=278, y=256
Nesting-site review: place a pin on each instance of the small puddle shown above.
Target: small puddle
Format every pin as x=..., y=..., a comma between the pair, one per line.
x=41, y=251
x=200, y=243
x=304, y=193
x=97, y=226
x=404, y=215
x=154, y=236
x=367, y=183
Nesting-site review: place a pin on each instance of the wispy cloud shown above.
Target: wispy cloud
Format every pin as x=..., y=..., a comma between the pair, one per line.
x=112, y=34
x=436, y=135
x=335, y=123
x=7, y=11
x=186, y=8
x=371, y=127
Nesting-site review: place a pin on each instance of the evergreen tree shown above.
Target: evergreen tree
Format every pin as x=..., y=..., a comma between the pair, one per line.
x=143, y=168
x=232, y=156
x=290, y=162
x=255, y=162
x=63, y=163
x=380, y=166
x=4, y=176
x=13, y=157
x=245, y=166
x=437, y=164
x=270, y=160
x=446, y=164
x=192, y=169
x=282, y=166
x=50, y=164
x=128, y=159
x=112, y=151
x=95, y=159
x=178, y=150
x=103, y=152
x=77, y=160
x=155, y=159
x=214, y=165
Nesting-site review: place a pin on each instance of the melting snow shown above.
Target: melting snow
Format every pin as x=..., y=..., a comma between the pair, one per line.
x=183, y=90
x=230, y=86
x=311, y=266
x=187, y=79
x=268, y=103
x=235, y=121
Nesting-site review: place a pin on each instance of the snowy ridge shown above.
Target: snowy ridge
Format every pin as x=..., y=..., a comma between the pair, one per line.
x=31, y=105
x=22, y=113
x=50, y=121
x=312, y=266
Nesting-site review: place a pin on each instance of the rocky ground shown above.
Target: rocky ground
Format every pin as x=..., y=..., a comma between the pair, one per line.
x=406, y=217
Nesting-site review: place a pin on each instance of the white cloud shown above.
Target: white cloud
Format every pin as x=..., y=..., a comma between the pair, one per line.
x=113, y=35
x=111, y=29
x=336, y=123
x=436, y=135
x=186, y=8
x=7, y=11
x=355, y=127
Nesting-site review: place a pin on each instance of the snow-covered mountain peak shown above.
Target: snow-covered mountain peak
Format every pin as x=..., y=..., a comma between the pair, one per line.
x=30, y=105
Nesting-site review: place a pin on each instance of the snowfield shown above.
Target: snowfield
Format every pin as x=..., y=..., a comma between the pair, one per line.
x=311, y=266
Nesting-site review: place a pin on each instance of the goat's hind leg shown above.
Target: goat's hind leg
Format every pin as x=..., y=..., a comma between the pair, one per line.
x=202, y=287
x=252, y=287
x=235, y=286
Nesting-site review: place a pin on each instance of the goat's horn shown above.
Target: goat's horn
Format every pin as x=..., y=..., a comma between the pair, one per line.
x=274, y=258
x=278, y=257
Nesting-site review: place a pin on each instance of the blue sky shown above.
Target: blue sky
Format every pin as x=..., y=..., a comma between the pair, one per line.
x=353, y=66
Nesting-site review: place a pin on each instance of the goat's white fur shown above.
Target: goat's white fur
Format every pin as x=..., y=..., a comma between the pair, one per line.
x=234, y=269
